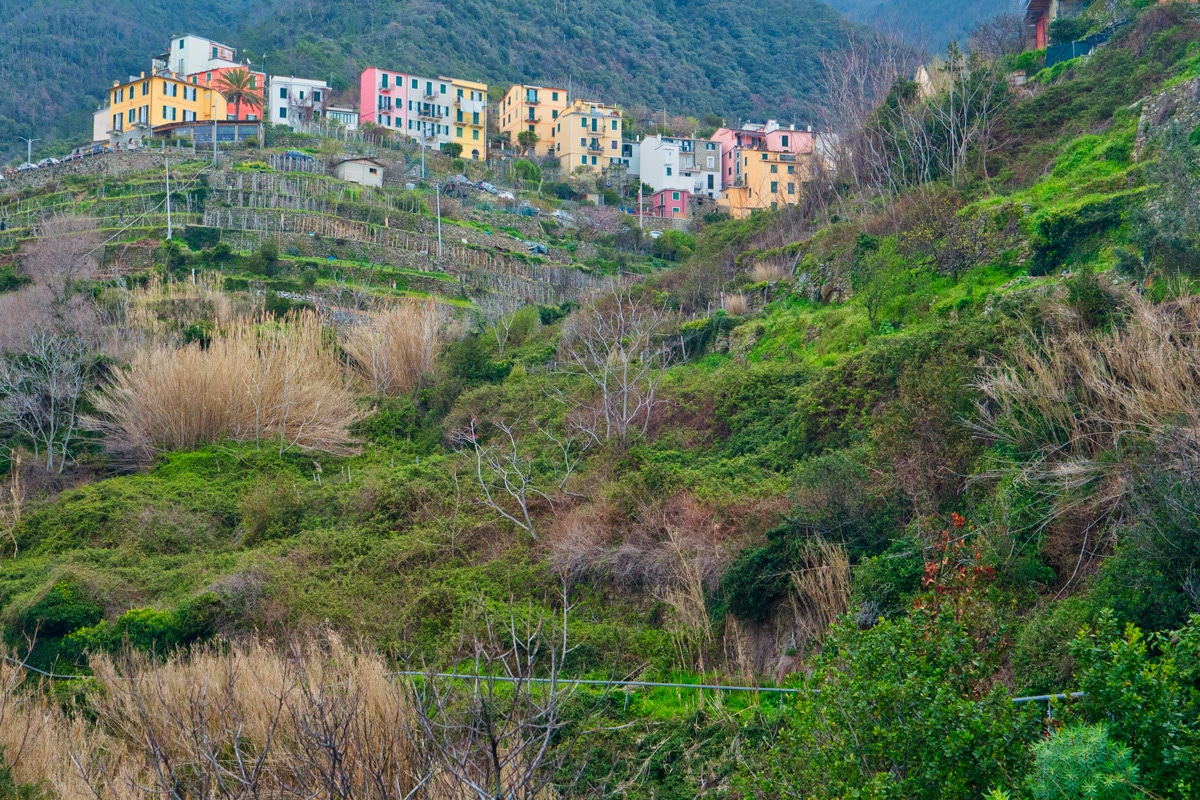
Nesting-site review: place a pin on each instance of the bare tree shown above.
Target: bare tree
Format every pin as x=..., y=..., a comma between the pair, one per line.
x=65, y=251
x=499, y=314
x=12, y=500
x=503, y=733
x=999, y=36
x=503, y=470
x=40, y=391
x=614, y=343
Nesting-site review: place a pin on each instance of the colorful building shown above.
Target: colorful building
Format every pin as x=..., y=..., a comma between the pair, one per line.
x=190, y=54
x=142, y=104
x=685, y=164
x=296, y=102
x=470, y=118
x=211, y=79
x=670, y=204
x=426, y=109
x=588, y=135
x=534, y=109
x=764, y=166
x=1039, y=14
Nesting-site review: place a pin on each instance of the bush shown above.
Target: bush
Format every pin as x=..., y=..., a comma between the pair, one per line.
x=199, y=237
x=1079, y=762
x=1068, y=29
x=10, y=281
x=673, y=246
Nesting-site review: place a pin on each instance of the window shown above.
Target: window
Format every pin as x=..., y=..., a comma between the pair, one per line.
x=674, y=209
x=531, y=130
x=283, y=112
x=214, y=55
x=118, y=122
x=614, y=144
x=121, y=95
x=475, y=118
x=783, y=141
x=283, y=93
x=791, y=188
x=316, y=96
x=414, y=83
x=145, y=88
x=675, y=196
x=710, y=146
x=131, y=113
x=458, y=132
x=181, y=44
x=669, y=171
x=442, y=88
x=764, y=157
x=189, y=116
x=774, y=187
x=169, y=113
x=710, y=181
x=584, y=121
x=189, y=93
x=301, y=94
x=460, y=94
x=774, y=168
x=554, y=96
x=593, y=161
x=460, y=116
x=553, y=115
x=791, y=169
x=475, y=135
x=614, y=124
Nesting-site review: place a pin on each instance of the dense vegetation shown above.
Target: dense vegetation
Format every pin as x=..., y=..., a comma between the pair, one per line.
x=931, y=23
x=915, y=448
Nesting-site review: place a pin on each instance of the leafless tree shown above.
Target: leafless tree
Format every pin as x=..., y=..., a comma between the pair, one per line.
x=615, y=344
x=503, y=470
x=65, y=251
x=999, y=36
x=40, y=391
x=499, y=314
x=503, y=733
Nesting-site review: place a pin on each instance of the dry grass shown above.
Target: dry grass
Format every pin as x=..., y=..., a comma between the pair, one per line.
x=256, y=381
x=157, y=312
x=735, y=305
x=1073, y=396
x=769, y=272
x=820, y=590
x=397, y=346
x=323, y=721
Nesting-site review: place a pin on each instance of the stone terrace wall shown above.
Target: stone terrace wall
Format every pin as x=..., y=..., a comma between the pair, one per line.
x=1180, y=104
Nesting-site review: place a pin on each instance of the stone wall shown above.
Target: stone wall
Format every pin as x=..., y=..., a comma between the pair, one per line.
x=1179, y=104
x=107, y=164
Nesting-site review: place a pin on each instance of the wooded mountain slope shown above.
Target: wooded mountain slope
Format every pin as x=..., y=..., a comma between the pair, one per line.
x=932, y=23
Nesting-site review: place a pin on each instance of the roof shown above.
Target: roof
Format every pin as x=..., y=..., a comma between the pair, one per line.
x=361, y=160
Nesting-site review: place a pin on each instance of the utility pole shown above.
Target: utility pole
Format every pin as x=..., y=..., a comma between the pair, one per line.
x=438, y=189
x=641, y=223
x=29, y=148
x=213, y=97
x=167, y=161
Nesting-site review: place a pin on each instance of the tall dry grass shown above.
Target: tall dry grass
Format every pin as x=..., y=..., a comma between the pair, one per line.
x=820, y=590
x=396, y=347
x=1072, y=396
x=257, y=381
x=769, y=272
x=322, y=721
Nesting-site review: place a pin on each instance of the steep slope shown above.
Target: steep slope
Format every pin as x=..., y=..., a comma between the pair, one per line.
x=693, y=56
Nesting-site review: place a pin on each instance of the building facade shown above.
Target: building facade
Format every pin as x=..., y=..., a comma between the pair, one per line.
x=190, y=54
x=588, y=135
x=344, y=117
x=763, y=166
x=670, y=204
x=246, y=111
x=296, y=102
x=426, y=109
x=470, y=118
x=139, y=105
x=534, y=109
x=682, y=164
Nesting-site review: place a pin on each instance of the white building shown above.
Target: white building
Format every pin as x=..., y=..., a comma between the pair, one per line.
x=190, y=54
x=681, y=164
x=345, y=117
x=365, y=171
x=296, y=101
x=631, y=157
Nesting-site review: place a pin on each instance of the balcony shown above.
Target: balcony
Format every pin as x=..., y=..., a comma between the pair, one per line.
x=532, y=119
x=431, y=96
x=428, y=115
x=595, y=147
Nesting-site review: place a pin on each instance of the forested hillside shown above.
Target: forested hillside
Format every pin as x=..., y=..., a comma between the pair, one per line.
x=684, y=56
x=932, y=24
x=377, y=493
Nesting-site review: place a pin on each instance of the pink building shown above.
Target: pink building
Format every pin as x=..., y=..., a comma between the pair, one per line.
x=754, y=136
x=383, y=99
x=670, y=203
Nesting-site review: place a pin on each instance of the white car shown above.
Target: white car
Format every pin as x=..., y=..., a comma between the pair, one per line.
x=507, y=196
x=564, y=216
x=26, y=167
x=48, y=162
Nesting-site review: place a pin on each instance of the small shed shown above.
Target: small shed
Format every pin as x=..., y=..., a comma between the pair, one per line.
x=365, y=171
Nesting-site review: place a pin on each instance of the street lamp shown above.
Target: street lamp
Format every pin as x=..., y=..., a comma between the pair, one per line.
x=29, y=148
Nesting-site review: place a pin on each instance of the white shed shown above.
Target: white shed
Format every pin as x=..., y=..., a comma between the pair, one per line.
x=366, y=171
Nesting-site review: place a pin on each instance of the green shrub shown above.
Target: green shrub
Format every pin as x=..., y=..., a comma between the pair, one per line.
x=884, y=584
x=10, y=281
x=271, y=509
x=1066, y=233
x=1079, y=762
x=149, y=630
x=1068, y=29
x=199, y=237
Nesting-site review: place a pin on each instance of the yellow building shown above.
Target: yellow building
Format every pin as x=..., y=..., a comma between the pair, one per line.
x=470, y=118
x=162, y=98
x=534, y=109
x=765, y=179
x=587, y=135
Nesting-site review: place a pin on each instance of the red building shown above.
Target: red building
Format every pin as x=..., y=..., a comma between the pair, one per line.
x=670, y=203
x=1039, y=14
x=212, y=79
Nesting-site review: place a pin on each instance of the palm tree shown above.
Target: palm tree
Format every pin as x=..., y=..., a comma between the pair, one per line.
x=237, y=87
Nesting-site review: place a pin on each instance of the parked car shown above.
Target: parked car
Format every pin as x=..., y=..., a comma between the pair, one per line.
x=562, y=215
x=48, y=162
x=489, y=188
x=299, y=155
x=655, y=234
x=507, y=196
x=537, y=248
x=26, y=167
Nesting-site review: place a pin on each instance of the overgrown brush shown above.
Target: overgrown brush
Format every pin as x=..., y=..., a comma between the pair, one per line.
x=397, y=346
x=255, y=381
